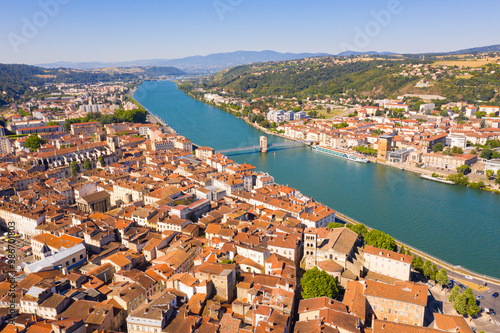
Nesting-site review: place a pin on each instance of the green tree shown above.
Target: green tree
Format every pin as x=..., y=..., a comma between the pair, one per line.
x=460, y=304
x=457, y=150
x=417, y=263
x=87, y=165
x=487, y=153
x=333, y=225
x=442, y=277
x=33, y=142
x=427, y=269
x=52, y=123
x=402, y=250
x=318, y=283
x=489, y=173
x=380, y=239
x=359, y=228
x=75, y=168
x=101, y=160
x=437, y=147
x=434, y=272
x=464, y=169
x=455, y=292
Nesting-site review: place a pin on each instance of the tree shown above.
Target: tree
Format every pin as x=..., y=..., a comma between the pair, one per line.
x=442, y=277
x=101, y=160
x=417, y=262
x=333, y=225
x=360, y=228
x=52, y=123
x=87, y=165
x=489, y=173
x=427, y=269
x=464, y=169
x=402, y=250
x=460, y=304
x=437, y=147
x=487, y=153
x=75, y=168
x=318, y=283
x=455, y=292
x=434, y=272
x=33, y=142
x=457, y=150
x=380, y=239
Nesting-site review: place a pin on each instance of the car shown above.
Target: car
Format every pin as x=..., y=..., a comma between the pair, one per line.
x=480, y=297
x=492, y=312
x=469, y=277
x=462, y=286
x=494, y=295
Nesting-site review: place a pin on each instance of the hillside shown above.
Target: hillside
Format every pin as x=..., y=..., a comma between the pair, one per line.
x=24, y=81
x=381, y=77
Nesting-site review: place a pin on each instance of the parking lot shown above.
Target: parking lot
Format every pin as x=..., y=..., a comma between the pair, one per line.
x=16, y=243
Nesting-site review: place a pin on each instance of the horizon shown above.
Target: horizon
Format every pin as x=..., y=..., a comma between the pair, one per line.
x=49, y=31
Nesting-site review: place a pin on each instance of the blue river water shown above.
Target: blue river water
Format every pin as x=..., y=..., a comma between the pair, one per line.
x=454, y=223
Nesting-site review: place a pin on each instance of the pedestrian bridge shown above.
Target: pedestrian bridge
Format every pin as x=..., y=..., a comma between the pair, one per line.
x=265, y=147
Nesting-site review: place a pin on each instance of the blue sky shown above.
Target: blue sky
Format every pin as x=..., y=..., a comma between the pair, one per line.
x=42, y=31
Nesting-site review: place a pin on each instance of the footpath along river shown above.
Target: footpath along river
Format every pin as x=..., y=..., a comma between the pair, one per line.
x=454, y=223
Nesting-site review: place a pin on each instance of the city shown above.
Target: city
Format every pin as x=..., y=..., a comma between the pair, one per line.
x=207, y=186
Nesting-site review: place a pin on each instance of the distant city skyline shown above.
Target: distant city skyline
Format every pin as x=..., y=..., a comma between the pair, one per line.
x=35, y=32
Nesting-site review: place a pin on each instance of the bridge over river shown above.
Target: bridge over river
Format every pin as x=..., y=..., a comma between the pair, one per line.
x=265, y=147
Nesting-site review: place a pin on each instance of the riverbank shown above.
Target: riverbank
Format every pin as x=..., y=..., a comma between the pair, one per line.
x=435, y=221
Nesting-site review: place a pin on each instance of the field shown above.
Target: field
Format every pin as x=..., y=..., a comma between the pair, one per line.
x=468, y=62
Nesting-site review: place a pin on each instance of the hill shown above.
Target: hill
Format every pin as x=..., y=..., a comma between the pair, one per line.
x=24, y=81
x=374, y=77
x=211, y=63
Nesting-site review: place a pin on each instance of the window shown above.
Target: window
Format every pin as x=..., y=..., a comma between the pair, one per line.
x=73, y=260
x=389, y=310
x=81, y=256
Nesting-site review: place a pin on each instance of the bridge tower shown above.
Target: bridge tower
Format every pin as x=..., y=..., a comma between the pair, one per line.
x=263, y=144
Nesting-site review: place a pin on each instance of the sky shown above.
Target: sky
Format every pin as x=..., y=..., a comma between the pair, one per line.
x=44, y=31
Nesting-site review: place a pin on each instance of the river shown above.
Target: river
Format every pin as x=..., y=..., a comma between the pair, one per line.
x=454, y=223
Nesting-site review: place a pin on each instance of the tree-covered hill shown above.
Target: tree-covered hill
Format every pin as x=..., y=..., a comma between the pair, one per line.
x=17, y=81
x=376, y=78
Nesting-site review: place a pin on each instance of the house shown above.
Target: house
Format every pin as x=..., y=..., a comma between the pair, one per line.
x=401, y=302
x=223, y=277
x=448, y=162
x=387, y=262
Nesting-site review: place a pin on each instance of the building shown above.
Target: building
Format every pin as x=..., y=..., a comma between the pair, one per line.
x=429, y=143
x=456, y=140
x=321, y=244
x=223, y=276
x=5, y=145
x=65, y=259
x=448, y=162
x=152, y=317
x=39, y=129
x=493, y=165
x=489, y=109
x=384, y=145
x=98, y=202
x=399, y=156
x=402, y=302
x=388, y=263
x=44, y=245
x=89, y=128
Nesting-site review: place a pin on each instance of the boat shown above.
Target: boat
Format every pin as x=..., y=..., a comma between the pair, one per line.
x=342, y=154
x=436, y=179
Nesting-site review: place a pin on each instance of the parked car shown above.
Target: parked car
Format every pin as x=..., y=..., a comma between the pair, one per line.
x=494, y=295
x=480, y=297
x=490, y=311
x=469, y=277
